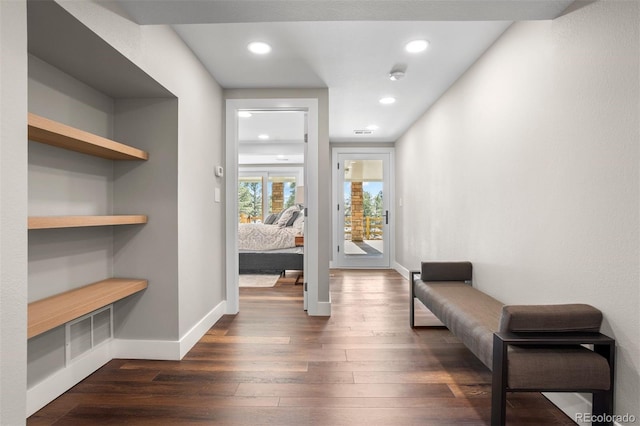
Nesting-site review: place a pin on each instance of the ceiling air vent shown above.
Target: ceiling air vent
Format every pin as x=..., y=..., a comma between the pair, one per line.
x=362, y=132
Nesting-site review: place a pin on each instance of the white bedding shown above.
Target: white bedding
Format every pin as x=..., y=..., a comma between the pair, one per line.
x=257, y=236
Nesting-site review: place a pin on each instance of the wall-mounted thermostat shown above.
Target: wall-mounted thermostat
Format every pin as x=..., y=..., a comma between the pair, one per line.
x=219, y=171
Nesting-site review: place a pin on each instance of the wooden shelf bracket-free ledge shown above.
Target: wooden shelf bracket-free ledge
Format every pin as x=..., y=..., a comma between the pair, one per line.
x=49, y=313
x=51, y=222
x=51, y=132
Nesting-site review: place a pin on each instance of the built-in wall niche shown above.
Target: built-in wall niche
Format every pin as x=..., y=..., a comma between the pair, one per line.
x=102, y=203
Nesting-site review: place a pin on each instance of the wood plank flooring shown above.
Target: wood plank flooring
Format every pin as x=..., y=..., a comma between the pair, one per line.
x=273, y=365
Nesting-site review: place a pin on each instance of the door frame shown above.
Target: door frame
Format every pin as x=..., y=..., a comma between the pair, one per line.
x=311, y=162
x=336, y=194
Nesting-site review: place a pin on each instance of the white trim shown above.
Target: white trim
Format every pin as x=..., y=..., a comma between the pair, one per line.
x=323, y=309
x=312, y=232
x=194, y=335
x=170, y=350
x=62, y=380
x=401, y=270
x=166, y=350
x=570, y=403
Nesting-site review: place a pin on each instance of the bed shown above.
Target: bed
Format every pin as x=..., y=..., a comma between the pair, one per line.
x=271, y=247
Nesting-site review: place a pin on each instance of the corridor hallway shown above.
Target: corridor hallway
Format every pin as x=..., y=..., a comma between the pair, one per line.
x=273, y=365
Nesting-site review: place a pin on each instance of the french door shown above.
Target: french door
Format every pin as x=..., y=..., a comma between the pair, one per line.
x=363, y=208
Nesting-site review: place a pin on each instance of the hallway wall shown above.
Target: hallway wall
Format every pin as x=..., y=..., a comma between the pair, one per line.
x=528, y=167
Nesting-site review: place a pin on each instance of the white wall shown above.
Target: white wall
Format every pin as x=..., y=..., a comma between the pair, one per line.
x=528, y=167
x=13, y=212
x=158, y=51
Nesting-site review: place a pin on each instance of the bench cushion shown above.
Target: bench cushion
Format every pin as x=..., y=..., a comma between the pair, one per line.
x=556, y=368
x=470, y=314
x=446, y=271
x=550, y=318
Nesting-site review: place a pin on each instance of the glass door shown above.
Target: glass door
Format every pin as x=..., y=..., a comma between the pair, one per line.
x=363, y=211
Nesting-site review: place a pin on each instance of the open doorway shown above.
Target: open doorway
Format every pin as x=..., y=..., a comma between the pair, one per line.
x=273, y=165
x=271, y=146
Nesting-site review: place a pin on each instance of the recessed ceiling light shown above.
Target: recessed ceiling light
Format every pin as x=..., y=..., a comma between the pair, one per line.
x=259, y=48
x=388, y=100
x=244, y=114
x=372, y=127
x=416, y=46
x=263, y=137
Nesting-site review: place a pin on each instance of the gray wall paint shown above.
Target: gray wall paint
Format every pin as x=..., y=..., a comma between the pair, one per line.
x=63, y=182
x=529, y=167
x=159, y=52
x=13, y=211
x=58, y=96
x=324, y=171
x=148, y=187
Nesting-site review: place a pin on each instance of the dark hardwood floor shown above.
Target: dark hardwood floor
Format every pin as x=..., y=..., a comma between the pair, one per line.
x=273, y=365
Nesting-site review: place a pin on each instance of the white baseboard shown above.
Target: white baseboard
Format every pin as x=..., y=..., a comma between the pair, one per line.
x=401, y=270
x=323, y=309
x=570, y=403
x=170, y=350
x=62, y=380
x=192, y=336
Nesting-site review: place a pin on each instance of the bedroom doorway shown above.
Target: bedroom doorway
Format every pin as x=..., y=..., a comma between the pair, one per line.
x=363, y=216
x=267, y=160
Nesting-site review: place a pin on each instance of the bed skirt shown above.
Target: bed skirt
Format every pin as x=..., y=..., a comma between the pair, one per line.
x=253, y=262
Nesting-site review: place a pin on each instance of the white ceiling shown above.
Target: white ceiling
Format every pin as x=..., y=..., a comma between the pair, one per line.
x=348, y=46
x=285, y=144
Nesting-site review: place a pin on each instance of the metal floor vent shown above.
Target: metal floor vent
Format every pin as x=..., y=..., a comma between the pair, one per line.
x=87, y=332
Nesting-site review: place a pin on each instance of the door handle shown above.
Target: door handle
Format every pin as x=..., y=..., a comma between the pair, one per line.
x=386, y=217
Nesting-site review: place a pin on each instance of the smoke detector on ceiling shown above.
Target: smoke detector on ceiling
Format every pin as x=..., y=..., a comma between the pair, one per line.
x=397, y=72
x=396, y=75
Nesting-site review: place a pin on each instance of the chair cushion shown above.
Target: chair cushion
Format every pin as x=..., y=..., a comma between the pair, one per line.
x=550, y=318
x=446, y=271
x=553, y=368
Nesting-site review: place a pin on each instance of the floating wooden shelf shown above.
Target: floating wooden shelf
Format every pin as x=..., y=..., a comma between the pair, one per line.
x=50, y=222
x=49, y=313
x=57, y=134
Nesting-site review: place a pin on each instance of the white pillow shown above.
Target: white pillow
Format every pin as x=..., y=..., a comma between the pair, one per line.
x=299, y=222
x=286, y=215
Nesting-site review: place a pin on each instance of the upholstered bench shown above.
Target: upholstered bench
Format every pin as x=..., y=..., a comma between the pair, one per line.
x=528, y=348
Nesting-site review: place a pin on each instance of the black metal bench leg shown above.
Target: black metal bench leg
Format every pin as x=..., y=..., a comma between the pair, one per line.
x=412, y=276
x=602, y=404
x=499, y=383
x=602, y=408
